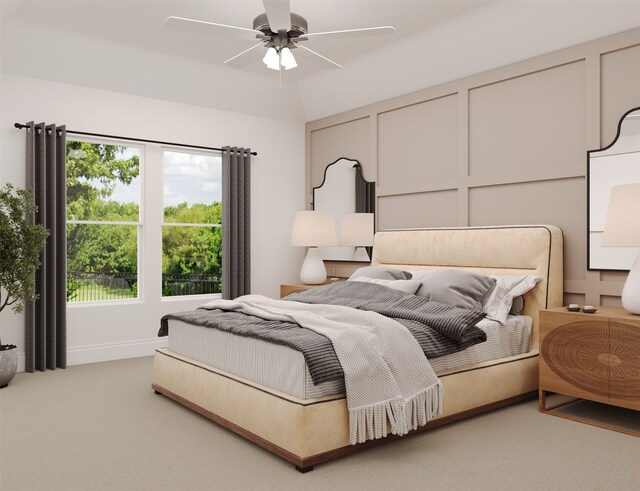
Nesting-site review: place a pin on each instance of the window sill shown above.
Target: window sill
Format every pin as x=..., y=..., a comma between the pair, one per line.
x=104, y=303
x=182, y=298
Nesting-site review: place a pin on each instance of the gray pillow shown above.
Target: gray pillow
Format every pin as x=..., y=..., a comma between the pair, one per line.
x=456, y=287
x=406, y=286
x=517, y=307
x=381, y=273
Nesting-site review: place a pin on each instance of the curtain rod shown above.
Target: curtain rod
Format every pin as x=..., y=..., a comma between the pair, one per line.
x=21, y=126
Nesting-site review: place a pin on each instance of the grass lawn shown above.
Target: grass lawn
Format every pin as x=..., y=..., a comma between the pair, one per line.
x=90, y=291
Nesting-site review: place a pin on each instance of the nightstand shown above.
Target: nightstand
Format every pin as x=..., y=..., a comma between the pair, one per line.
x=293, y=288
x=590, y=356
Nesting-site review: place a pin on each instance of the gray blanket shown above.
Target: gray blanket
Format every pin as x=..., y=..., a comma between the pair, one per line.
x=439, y=329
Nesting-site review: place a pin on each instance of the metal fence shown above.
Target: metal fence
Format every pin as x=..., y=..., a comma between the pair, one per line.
x=190, y=284
x=97, y=287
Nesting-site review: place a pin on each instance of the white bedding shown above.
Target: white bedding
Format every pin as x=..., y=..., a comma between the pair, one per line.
x=284, y=369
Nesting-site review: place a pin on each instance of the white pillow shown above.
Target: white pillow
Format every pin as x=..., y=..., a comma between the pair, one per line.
x=507, y=288
x=407, y=286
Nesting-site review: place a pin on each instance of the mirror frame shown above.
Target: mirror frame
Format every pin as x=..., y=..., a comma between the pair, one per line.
x=358, y=166
x=589, y=154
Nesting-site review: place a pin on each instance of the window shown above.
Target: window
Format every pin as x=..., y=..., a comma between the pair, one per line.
x=103, y=221
x=192, y=225
x=113, y=230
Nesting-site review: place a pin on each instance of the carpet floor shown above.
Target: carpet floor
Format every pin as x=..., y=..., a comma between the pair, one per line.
x=100, y=426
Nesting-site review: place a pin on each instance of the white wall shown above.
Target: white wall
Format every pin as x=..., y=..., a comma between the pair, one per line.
x=99, y=333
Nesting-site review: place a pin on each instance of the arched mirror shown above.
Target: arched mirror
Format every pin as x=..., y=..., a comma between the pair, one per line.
x=343, y=191
x=618, y=163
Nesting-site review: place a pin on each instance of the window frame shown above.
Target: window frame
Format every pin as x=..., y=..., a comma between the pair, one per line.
x=150, y=222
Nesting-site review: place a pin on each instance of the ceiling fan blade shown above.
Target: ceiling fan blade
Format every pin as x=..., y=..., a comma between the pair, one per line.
x=279, y=14
x=367, y=31
x=318, y=54
x=245, y=51
x=193, y=25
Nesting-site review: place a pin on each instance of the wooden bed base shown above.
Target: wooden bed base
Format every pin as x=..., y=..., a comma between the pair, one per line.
x=307, y=433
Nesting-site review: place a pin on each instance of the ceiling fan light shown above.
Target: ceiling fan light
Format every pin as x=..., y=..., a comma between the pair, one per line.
x=288, y=60
x=271, y=59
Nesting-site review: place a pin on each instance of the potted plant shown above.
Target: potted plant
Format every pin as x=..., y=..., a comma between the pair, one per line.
x=20, y=247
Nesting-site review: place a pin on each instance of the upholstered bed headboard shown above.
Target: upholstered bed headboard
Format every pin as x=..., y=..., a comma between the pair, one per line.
x=499, y=250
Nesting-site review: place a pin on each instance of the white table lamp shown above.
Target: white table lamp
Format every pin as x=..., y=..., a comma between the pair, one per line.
x=357, y=230
x=313, y=229
x=622, y=229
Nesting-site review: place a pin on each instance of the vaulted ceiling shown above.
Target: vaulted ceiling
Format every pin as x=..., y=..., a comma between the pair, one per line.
x=124, y=46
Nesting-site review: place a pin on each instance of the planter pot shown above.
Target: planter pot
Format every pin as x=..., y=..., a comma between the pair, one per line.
x=8, y=364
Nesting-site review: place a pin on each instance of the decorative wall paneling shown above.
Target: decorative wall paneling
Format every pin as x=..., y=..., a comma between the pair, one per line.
x=401, y=160
x=507, y=146
x=348, y=139
x=620, y=84
x=418, y=210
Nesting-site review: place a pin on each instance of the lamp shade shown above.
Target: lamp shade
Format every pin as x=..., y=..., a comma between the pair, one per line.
x=357, y=230
x=313, y=229
x=622, y=224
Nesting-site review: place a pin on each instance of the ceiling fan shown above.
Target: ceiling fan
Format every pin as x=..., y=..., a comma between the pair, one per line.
x=279, y=30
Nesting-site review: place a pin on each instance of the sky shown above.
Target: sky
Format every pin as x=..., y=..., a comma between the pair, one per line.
x=192, y=178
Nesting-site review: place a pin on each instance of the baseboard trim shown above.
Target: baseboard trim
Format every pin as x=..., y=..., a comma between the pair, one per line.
x=79, y=355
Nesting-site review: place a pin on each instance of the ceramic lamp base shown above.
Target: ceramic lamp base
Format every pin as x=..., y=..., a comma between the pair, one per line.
x=631, y=289
x=313, y=271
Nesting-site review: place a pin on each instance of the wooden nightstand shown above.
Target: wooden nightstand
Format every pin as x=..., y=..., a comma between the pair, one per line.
x=287, y=289
x=590, y=356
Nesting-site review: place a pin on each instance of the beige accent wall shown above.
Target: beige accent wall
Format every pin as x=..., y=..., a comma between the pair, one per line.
x=503, y=147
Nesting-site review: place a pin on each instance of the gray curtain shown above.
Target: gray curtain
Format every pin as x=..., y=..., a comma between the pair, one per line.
x=365, y=193
x=45, y=318
x=365, y=197
x=236, y=222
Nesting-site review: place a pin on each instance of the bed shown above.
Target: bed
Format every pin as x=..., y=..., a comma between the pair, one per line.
x=308, y=428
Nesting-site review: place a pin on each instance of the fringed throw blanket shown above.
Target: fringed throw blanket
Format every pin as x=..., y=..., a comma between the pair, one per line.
x=387, y=377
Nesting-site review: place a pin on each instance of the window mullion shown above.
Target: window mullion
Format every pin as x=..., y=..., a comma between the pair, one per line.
x=152, y=217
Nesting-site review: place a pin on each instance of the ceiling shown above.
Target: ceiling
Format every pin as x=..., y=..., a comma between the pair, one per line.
x=141, y=24
x=124, y=46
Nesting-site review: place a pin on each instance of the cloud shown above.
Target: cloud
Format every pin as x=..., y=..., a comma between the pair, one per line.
x=191, y=178
x=188, y=178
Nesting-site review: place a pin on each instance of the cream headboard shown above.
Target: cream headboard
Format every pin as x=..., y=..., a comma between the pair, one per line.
x=518, y=249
